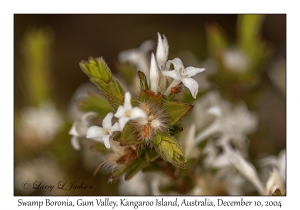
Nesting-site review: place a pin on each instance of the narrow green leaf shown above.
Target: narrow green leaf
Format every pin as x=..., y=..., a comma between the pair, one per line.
x=129, y=137
x=248, y=30
x=151, y=155
x=176, y=110
x=175, y=129
x=117, y=136
x=143, y=81
x=216, y=40
x=139, y=164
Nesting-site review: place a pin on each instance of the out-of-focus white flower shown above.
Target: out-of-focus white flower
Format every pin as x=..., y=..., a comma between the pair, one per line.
x=189, y=141
x=137, y=185
x=154, y=75
x=234, y=182
x=181, y=74
x=43, y=170
x=139, y=56
x=103, y=134
x=158, y=180
x=234, y=123
x=275, y=182
x=127, y=112
x=213, y=157
x=235, y=61
x=80, y=128
x=42, y=122
x=279, y=162
x=244, y=167
x=162, y=51
x=81, y=93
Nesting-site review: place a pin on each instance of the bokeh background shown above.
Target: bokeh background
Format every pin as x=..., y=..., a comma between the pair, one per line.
x=47, y=52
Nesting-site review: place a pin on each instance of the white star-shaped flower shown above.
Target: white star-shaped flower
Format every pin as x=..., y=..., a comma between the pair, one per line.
x=181, y=74
x=102, y=134
x=80, y=128
x=127, y=112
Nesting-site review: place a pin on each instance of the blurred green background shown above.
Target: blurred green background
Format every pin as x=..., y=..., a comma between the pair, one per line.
x=72, y=38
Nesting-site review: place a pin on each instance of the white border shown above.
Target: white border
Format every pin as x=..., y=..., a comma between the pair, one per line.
x=8, y=8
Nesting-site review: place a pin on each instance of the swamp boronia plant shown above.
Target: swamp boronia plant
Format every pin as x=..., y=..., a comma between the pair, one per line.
x=141, y=136
x=146, y=125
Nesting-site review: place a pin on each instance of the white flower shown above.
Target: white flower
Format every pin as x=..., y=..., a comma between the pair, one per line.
x=244, y=167
x=154, y=75
x=275, y=182
x=127, y=112
x=103, y=134
x=279, y=162
x=80, y=128
x=181, y=74
x=139, y=56
x=235, y=61
x=162, y=51
x=232, y=122
x=42, y=122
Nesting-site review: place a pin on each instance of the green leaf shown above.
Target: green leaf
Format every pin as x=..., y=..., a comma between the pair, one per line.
x=117, y=136
x=143, y=81
x=129, y=137
x=94, y=103
x=139, y=164
x=175, y=129
x=151, y=155
x=176, y=110
x=216, y=40
x=101, y=76
x=169, y=149
x=149, y=96
x=36, y=69
x=248, y=30
x=96, y=68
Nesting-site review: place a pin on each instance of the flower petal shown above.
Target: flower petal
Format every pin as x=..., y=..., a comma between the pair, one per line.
x=137, y=113
x=154, y=74
x=174, y=74
x=162, y=50
x=127, y=101
x=74, y=130
x=75, y=143
x=192, y=85
x=94, y=131
x=106, y=123
x=85, y=117
x=120, y=112
x=115, y=127
x=123, y=121
x=192, y=71
x=176, y=62
x=106, y=141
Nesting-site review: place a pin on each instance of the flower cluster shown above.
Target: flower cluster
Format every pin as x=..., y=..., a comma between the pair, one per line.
x=144, y=127
x=142, y=130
